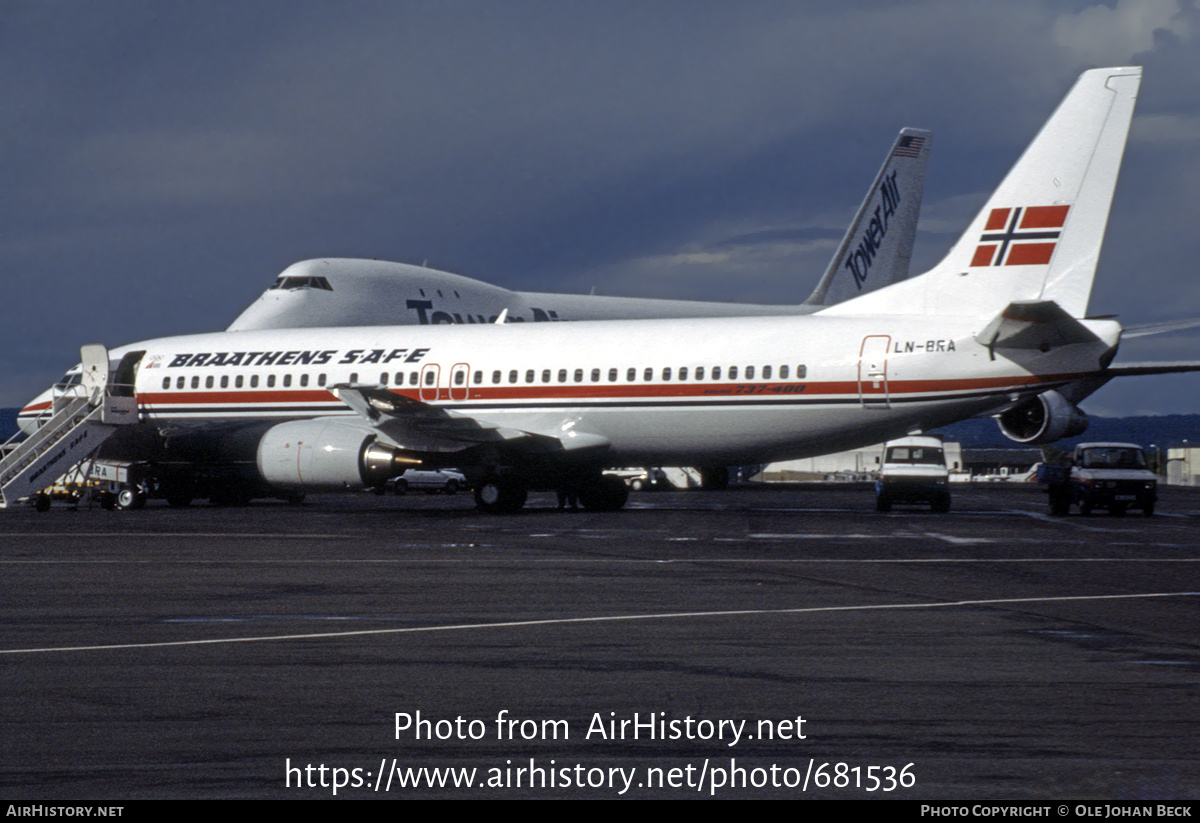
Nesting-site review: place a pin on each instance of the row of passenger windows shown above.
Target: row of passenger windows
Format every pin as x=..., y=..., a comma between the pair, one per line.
x=239, y=381
x=413, y=378
x=631, y=374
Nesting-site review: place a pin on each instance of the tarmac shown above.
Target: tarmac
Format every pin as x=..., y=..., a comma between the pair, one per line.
x=764, y=641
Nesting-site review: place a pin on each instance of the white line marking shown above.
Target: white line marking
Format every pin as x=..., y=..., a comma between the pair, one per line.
x=561, y=621
x=501, y=561
x=960, y=541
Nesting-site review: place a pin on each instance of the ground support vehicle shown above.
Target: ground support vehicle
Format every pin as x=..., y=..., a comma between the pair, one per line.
x=1109, y=476
x=913, y=471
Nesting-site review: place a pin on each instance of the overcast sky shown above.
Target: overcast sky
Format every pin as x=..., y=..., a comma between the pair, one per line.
x=164, y=161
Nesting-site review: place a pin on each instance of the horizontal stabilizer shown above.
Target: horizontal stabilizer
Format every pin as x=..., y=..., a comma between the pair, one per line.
x=1133, y=369
x=1165, y=327
x=1039, y=325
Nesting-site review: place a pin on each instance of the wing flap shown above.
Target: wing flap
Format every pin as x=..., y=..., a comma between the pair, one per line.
x=420, y=427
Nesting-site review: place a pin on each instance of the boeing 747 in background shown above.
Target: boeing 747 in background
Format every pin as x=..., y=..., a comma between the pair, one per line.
x=874, y=252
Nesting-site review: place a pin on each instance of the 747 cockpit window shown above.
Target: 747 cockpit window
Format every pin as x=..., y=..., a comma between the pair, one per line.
x=289, y=283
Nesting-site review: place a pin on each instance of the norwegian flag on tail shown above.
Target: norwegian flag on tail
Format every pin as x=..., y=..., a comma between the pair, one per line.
x=1021, y=236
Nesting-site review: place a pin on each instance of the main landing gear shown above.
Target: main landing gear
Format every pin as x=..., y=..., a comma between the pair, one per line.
x=500, y=495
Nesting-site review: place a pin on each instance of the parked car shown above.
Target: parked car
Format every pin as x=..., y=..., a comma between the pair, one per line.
x=447, y=481
x=1111, y=476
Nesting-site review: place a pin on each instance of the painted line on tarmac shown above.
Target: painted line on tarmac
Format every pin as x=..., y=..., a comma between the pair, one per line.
x=653, y=561
x=624, y=618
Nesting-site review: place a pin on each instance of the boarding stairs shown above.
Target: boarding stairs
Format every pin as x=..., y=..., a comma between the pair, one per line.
x=77, y=423
x=682, y=477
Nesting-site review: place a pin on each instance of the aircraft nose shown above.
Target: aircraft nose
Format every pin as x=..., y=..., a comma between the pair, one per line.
x=28, y=416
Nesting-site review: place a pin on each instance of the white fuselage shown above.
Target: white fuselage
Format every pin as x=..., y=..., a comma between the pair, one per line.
x=724, y=390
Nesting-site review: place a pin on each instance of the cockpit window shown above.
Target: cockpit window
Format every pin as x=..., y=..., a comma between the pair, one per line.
x=291, y=283
x=71, y=378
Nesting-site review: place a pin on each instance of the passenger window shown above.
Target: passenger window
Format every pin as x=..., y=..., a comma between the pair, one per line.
x=271, y=381
x=179, y=382
x=208, y=382
x=683, y=373
x=224, y=381
x=287, y=381
x=399, y=378
x=648, y=375
x=383, y=379
x=766, y=372
x=478, y=378
x=237, y=382
x=166, y=382
x=353, y=378
x=579, y=375
x=304, y=379
x=666, y=374
x=460, y=377
x=412, y=378
x=545, y=375
x=512, y=376
x=254, y=381
x=733, y=372
x=496, y=376
x=783, y=372
x=699, y=372
x=595, y=375
x=716, y=373
x=612, y=375
x=430, y=376
x=529, y=375
x=562, y=375
x=631, y=375
x=801, y=372
x=321, y=379
x=749, y=372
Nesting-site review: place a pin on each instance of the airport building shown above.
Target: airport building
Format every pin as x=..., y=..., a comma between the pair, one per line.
x=1183, y=466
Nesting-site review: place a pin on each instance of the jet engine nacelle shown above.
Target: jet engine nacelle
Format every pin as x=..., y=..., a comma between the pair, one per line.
x=327, y=454
x=1043, y=419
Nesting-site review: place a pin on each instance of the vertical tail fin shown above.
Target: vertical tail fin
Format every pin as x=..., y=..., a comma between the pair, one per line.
x=877, y=247
x=1038, y=237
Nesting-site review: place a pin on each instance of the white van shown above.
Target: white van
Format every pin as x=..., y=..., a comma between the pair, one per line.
x=913, y=471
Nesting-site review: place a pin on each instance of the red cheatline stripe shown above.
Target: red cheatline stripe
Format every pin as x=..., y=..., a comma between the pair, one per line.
x=565, y=394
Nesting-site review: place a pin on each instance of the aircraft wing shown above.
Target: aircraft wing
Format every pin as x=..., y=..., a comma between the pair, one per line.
x=419, y=427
